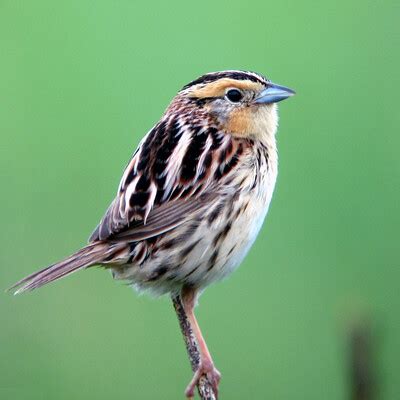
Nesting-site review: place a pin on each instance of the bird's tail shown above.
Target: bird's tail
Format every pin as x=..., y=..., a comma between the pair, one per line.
x=83, y=258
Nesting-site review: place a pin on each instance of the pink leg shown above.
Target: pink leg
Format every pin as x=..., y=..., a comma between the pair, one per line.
x=206, y=366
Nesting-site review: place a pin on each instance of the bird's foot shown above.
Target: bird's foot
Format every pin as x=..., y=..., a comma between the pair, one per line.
x=208, y=369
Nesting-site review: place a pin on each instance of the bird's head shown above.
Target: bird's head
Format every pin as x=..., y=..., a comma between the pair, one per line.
x=243, y=103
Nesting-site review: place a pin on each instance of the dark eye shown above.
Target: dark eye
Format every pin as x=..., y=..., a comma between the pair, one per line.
x=234, y=95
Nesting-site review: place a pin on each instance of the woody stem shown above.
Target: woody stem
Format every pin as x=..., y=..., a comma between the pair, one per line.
x=204, y=387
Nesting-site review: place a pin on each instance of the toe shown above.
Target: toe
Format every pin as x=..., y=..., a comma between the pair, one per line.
x=213, y=376
x=189, y=392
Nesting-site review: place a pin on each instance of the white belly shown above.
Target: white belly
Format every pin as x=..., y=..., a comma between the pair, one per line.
x=233, y=249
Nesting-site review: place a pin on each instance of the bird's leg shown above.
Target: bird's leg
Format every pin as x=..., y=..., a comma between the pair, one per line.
x=206, y=365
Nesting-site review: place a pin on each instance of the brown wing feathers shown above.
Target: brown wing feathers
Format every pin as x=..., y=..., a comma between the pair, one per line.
x=174, y=163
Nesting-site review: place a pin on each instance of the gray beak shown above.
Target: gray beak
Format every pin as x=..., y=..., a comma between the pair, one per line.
x=274, y=93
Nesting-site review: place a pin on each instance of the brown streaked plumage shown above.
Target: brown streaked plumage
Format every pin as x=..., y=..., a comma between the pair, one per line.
x=192, y=198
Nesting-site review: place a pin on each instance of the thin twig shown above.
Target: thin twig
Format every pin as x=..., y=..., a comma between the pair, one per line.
x=204, y=387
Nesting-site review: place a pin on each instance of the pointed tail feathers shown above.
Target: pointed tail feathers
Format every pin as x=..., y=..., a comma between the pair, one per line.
x=83, y=258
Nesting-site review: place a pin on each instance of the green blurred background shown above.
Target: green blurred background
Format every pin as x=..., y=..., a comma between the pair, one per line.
x=80, y=84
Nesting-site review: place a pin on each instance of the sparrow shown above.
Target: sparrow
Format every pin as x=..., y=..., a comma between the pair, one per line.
x=192, y=199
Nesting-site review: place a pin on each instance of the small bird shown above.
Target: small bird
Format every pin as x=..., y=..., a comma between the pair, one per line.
x=192, y=199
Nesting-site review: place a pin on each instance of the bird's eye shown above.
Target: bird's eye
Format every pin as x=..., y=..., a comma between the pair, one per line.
x=234, y=95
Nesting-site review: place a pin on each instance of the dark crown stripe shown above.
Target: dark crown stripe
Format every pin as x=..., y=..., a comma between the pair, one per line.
x=238, y=75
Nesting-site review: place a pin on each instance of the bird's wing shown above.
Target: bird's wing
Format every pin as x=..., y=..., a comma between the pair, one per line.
x=176, y=170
